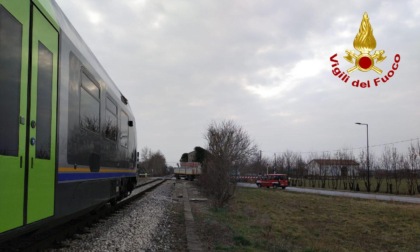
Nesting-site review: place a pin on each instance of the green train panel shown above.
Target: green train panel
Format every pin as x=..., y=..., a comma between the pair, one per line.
x=28, y=104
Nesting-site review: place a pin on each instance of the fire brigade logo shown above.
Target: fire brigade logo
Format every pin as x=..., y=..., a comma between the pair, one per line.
x=365, y=60
x=365, y=42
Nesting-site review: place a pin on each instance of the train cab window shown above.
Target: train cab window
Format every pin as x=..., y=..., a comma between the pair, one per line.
x=89, y=104
x=111, y=124
x=43, y=108
x=124, y=130
x=10, y=69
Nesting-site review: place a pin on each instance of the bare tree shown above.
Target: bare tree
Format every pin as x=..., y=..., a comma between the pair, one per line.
x=417, y=169
x=397, y=165
x=364, y=172
x=281, y=164
x=153, y=163
x=336, y=170
x=324, y=170
x=379, y=174
x=301, y=171
x=145, y=154
x=260, y=165
x=385, y=163
x=158, y=164
x=413, y=165
x=346, y=172
x=289, y=160
x=293, y=165
x=256, y=166
x=312, y=175
x=228, y=145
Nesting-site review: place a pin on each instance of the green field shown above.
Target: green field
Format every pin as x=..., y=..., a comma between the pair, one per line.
x=277, y=220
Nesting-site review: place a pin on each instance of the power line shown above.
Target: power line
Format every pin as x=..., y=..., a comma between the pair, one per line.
x=345, y=149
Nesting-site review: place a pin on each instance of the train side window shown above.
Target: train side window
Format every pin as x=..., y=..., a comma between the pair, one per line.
x=43, y=108
x=89, y=104
x=124, y=130
x=10, y=69
x=111, y=124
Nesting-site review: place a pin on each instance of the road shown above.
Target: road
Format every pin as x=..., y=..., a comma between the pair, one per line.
x=374, y=196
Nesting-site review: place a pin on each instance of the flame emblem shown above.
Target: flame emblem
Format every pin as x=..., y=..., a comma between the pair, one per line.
x=365, y=42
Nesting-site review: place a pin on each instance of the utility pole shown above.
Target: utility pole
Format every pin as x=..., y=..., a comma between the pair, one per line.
x=367, y=156
x=275, y=163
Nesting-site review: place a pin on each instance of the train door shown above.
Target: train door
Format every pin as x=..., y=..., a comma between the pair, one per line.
x=14, y=49
x=42, y=119
x=28, y=83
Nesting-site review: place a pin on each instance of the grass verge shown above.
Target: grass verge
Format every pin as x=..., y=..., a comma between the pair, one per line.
x=277, y=220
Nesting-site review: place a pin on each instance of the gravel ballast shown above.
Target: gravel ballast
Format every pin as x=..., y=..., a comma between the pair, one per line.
x=144, y=225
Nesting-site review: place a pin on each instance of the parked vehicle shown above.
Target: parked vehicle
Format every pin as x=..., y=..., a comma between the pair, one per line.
x=188, y=170
x=273, y=180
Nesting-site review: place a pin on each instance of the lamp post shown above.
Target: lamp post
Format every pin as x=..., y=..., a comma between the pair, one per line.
x=367, y=156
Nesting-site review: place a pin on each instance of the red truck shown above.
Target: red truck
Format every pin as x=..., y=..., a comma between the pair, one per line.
x=273, y=180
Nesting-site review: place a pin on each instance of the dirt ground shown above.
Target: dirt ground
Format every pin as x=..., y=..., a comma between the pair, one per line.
x=172, y=237
x=212, y=234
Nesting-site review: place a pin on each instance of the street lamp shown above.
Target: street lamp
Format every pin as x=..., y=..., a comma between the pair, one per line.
x=367, y=156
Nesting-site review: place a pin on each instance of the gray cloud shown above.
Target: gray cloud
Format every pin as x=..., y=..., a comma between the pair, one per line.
x=264, y=64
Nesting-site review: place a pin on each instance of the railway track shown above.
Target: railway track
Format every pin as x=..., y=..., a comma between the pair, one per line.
x=51, y=237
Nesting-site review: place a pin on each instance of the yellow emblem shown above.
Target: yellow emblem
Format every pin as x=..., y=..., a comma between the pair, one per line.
x=365, y=42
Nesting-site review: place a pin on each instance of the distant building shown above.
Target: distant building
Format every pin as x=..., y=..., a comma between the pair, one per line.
x=333, y=167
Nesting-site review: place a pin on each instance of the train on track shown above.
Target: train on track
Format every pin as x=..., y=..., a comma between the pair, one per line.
x=67, y=133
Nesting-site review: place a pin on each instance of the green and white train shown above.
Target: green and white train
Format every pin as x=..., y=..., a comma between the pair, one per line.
x=67, y=135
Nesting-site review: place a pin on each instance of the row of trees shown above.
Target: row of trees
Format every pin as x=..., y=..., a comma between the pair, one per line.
x=391, y=171
x=230, y=151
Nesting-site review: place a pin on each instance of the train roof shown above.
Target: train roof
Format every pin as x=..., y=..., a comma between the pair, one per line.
x=60, y=20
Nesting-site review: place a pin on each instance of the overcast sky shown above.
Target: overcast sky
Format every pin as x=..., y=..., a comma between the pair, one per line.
x=264, y=64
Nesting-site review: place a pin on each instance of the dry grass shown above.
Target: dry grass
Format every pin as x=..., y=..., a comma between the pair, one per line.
x=277, y=220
